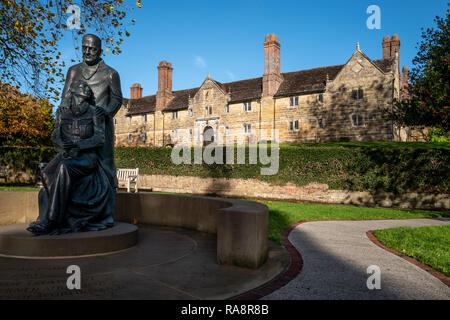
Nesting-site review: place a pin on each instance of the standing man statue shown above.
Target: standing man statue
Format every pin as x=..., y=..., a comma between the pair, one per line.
x=104, y=82
x=80, y=183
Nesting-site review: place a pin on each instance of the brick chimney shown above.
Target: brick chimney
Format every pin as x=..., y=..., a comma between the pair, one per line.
x=391, y=46
x=405, y=78
x=395, y=45
x=164, y=93
x=386, y=47
x=272, y=76
x=136, y=91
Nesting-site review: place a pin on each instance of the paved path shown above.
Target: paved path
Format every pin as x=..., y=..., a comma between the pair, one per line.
x=336, y=255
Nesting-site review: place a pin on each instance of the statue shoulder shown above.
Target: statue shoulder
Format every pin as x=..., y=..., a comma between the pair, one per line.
x=73, y=72
x=110, y=71
x=75, y=68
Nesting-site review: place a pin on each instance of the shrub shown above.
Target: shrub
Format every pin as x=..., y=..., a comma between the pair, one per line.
x=382, y=167
x=438, y=135
x=25, y=159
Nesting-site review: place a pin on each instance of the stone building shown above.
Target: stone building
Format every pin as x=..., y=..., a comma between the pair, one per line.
x=329, y=103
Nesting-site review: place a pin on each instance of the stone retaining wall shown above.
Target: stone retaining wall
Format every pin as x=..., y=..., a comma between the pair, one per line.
x=314, y=192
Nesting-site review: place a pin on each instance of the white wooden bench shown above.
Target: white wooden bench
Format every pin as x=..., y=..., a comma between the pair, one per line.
x=128, y=176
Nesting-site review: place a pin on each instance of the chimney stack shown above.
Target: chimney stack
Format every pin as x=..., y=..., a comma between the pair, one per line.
x=136, y=91
x=395, y=45
x=164, y=93
x=391, y=46
x=405, y=79
x=272, y=76
x=386, y=47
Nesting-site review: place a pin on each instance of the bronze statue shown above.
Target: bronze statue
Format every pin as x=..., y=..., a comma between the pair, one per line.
x=80, y=183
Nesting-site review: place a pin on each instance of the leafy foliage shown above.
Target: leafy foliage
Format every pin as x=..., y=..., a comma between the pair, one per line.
x=438, y=135
x=428, y=100
x=382, y=167
x=25, y=158
x=31, y=30
x=24, y=120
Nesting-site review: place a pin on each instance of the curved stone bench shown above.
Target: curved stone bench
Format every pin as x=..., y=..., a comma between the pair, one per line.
x=241, y=226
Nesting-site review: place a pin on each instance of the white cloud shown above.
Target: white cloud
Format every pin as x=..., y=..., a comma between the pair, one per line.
x=199, y=62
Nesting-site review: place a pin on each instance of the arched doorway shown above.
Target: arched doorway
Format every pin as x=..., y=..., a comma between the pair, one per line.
x=208, y=135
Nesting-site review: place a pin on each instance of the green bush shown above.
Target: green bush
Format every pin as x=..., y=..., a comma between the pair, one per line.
x=382, y=167
x=25, y=159
x=356, y=166
x=438, y=135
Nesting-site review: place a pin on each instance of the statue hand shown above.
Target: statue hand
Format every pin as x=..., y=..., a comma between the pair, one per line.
x=71, y=153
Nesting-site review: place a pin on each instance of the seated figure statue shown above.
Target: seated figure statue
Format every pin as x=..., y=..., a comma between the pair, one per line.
x=78, y=194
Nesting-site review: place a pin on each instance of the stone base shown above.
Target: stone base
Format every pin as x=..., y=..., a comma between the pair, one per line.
x=17, y=242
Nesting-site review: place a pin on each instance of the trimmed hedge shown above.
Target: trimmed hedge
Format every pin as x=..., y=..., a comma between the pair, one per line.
x=381, y=167
x=25, y=158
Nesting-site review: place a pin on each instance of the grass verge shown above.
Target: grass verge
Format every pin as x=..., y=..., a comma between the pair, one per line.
x=284, y=214
x=429, y=245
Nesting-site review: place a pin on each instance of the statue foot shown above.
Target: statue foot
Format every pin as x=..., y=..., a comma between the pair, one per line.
x=44, y=227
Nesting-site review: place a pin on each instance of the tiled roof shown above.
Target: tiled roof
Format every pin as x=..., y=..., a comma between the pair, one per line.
x=384, y=64
x=306, y=81
x=297, y=82
x=180, y=99
x=140, y=106
x=244, y=90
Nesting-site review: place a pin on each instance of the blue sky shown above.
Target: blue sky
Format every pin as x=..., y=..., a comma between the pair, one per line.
x=225, y=37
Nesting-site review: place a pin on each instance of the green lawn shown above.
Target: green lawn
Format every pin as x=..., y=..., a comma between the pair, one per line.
x=284, y=214
x=429, y=245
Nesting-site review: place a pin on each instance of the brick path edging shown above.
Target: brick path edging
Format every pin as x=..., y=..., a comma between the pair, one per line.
x=434, y=273
x=284, y=278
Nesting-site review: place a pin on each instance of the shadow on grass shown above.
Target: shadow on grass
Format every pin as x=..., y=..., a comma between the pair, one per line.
x=278, y=222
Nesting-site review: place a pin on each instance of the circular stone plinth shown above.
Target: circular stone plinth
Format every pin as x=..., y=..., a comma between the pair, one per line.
x=17, y=242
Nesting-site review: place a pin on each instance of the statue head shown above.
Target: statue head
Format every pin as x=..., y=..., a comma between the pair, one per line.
x=80, y=91
x=92, y=49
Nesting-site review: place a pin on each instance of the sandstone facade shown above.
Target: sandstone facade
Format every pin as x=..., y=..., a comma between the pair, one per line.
x=328, y=103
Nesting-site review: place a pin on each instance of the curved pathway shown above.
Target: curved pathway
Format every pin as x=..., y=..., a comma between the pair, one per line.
x=336, y=255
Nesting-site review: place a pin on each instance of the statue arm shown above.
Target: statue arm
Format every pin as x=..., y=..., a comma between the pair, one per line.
x=56, y=134
x=98, y=138
x=69, y=79
x=115, y=101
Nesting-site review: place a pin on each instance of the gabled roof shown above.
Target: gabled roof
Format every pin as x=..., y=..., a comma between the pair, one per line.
x=180, y=99
x=294, y=83
x=307, y=81
x=142, y=105
x=244, y=90
x=384, y=64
